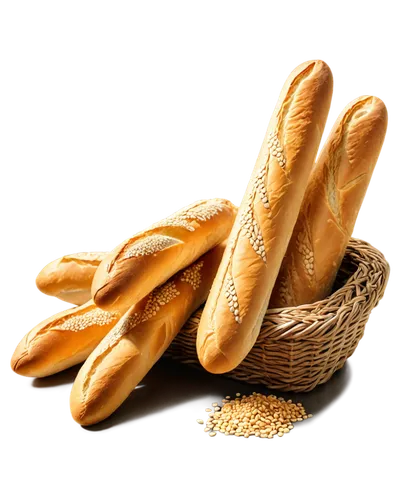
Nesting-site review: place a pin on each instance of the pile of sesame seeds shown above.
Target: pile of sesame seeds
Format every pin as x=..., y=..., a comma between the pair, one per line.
x=160, y=296
x=176, y=222
x=253, y=231
x=276, y=148
x=202, y=211
x=260, y=187
x=303, y=247
x=255, y=415
x=148, y=246
x=82, y=321
x=192, y=275
x=231, y=297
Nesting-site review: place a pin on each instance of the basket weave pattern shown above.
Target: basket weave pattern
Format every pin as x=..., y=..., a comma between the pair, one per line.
x=301, y=347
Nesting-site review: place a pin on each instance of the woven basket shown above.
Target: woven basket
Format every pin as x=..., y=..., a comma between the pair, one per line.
x=301, y=347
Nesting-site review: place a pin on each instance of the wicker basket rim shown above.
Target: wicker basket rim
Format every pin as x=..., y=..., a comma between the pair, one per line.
x=357, y=248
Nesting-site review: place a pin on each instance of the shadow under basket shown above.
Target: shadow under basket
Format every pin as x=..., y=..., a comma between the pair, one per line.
x=301, y=347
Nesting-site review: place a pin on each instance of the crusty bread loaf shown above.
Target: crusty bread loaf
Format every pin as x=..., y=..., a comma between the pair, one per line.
x=127, y=353
x=64, y=340
x=149, y=258
x=334, y=195
x=70, y=277
x=240, y=294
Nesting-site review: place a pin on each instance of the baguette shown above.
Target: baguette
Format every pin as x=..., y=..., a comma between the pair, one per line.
x=240, y=294
x=127, y=353
x=150, y=258
x=70, y=277
x=333, y=198
x=64, y=340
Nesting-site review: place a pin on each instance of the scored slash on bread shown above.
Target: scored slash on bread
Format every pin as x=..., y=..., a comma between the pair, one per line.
x=240, y=294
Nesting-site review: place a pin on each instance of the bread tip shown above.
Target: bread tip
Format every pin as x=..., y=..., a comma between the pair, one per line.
x=211, y=358
x=43, y=282
x=79, y=408
x=78, y=413
x=21, y=363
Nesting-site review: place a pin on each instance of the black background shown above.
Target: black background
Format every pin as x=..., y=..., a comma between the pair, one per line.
x=103, y=142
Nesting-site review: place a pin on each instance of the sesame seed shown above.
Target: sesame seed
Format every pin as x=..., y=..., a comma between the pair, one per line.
x=79, y=321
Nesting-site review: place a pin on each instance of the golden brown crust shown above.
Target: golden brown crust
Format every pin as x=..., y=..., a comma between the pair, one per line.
x=69, y=278
x=62, y=341
x=127, y=353
x=333, y=198
x=149, y=258
x=239, y=297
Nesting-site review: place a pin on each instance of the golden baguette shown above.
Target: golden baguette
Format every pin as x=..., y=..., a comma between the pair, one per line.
x=240, y=294
x=146, y=260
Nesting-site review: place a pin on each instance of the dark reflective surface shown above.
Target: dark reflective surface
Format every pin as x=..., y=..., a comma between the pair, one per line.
x=171, y=385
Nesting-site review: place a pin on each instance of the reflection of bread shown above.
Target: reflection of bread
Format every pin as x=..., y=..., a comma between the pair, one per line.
x=70, y=277
x=148, y=259
x=142, y=335
x=240, y=294
x=334, y=195
x=64, y=340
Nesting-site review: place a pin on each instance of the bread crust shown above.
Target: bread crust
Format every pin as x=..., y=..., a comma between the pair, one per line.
x=240, y=294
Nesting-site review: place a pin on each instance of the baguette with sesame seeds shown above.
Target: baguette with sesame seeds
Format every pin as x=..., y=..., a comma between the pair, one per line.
x=148, y=259
x=239, y=297
x=133, y=346
x=62, y=341
x=70, y=277
x=335, y=192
